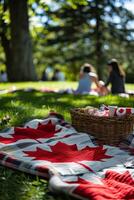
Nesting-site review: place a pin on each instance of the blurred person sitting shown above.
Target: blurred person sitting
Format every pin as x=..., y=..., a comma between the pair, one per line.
x=44, y=76
x=58, y=75
x=116, y=77
x=3, y=76
x=86, y=78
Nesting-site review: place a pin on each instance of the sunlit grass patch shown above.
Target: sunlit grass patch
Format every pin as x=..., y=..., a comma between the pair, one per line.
x=23, y=106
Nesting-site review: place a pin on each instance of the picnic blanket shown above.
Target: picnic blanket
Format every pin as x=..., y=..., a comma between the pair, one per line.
x=71, y=161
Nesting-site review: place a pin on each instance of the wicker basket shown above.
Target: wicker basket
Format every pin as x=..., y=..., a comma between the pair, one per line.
x=108, y=130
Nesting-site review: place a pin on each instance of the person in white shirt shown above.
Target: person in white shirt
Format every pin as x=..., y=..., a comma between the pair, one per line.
x=3, y=76
x=87, y=77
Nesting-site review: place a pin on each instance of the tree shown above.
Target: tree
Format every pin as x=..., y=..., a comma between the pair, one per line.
x=67, y=34
x=18, y=48
x=88, y=31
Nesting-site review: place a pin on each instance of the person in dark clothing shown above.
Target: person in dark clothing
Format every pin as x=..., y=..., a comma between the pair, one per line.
x=44, y=76
x=116, y=77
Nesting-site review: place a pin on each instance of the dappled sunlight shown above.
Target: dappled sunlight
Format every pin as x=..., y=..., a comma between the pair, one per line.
x=40, y=85
x=45, y=46
x=22, y=106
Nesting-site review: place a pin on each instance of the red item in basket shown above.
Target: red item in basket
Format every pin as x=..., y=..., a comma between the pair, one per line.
x=123, y=111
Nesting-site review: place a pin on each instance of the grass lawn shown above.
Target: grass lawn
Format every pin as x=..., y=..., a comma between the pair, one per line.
x=23, y=106
x=52, y=85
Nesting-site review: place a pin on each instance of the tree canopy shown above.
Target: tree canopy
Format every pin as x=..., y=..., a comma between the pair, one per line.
x=66, y=34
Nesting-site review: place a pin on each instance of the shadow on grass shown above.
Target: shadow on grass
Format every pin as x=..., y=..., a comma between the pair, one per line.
x=15, y=185
x=23, y=106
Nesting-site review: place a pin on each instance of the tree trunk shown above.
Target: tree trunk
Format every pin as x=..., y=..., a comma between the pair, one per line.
x=98, y=34
x=22, y=68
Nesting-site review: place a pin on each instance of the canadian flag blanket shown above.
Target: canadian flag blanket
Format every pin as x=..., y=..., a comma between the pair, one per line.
x=71, y=161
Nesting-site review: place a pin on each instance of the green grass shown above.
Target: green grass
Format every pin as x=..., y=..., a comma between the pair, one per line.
x=40, y=84
x=23, y=106
x=53, y=85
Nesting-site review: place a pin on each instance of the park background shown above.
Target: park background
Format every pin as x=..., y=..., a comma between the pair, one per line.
x=62, y=34
x=59, y=34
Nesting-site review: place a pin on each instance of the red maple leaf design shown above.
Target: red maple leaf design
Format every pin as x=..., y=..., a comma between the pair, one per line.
x=42, y=131
x=62, y=152
x=115, y=186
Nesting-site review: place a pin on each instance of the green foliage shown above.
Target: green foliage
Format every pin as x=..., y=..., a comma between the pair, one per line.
x=69, y=33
